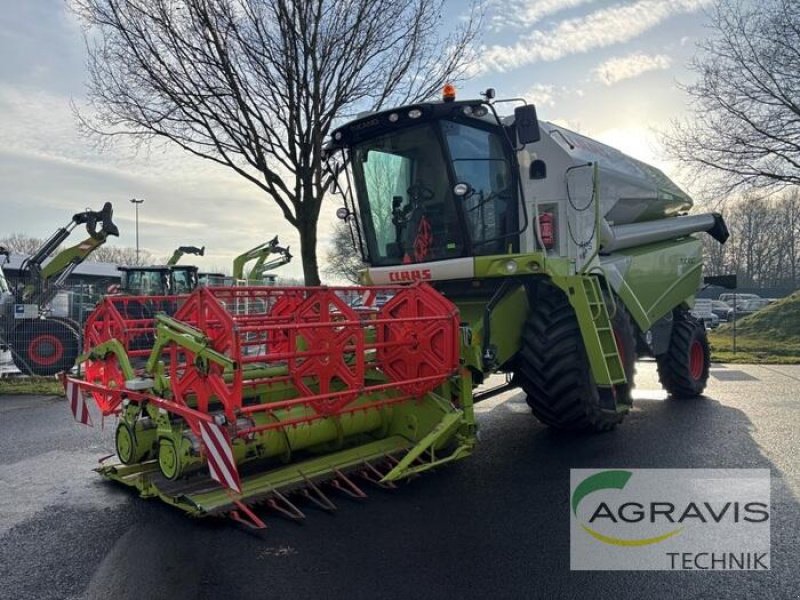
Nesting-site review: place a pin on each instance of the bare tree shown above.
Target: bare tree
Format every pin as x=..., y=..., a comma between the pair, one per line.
x=256, y=85
x=20, y=243
x=344, y=261
x=119, y=255
x=765, y=241
x=745, y=126
x=789, y=217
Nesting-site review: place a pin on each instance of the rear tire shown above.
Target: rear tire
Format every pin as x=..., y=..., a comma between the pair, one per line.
x=44, y=346
x=553, y=368
x=683, y=369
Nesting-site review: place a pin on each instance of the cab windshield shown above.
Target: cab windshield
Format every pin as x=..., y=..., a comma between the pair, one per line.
x=405, y=184
x=145, y=283
x=185, y=280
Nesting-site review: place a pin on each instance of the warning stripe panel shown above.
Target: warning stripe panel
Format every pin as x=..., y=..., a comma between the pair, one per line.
x=77, y=403
x=221, y=465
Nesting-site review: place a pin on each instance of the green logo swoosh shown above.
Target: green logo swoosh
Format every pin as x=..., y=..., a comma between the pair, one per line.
x=615, y=480
x=599, y=481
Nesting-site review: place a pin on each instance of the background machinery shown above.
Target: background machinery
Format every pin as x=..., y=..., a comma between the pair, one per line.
x=40, y=343
x=180, y=251
x=257, y=273
x=162, y=280
x=501, y=244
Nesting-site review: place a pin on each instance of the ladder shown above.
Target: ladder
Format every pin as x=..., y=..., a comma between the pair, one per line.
x=598, y=335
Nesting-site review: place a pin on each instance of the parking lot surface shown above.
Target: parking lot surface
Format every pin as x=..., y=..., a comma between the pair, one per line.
x=493, y=526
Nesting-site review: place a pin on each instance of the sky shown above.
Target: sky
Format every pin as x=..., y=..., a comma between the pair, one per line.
x=606, y=68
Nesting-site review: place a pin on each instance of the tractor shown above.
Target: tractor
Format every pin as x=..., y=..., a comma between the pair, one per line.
x=40, y=343
x=502, y=244
x=162, y=280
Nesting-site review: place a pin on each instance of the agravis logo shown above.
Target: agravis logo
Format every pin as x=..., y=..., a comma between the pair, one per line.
x=670, y=519
x=612, y=480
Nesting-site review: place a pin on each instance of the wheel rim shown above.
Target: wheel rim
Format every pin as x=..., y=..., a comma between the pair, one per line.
x=45, y=349
x=697, y=360
x=168, y=459
x=125, y=444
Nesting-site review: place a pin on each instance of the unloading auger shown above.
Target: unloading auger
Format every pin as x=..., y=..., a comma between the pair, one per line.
x=228, y=397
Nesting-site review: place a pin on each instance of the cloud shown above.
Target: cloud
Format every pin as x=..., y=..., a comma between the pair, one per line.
x=545, y=94
x=602, y=28
x=620, y=68
x=518, y=14
x=541, y=94
x=48, y=172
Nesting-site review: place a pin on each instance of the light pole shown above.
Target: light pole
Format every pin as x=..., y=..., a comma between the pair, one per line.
x=136, y=203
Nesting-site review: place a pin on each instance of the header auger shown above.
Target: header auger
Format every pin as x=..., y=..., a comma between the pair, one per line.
x=230, y=396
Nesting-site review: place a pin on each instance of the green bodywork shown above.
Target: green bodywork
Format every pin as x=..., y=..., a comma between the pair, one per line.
x=650, y=281
x=42, y=290
x=182, y=250
x=260, y=254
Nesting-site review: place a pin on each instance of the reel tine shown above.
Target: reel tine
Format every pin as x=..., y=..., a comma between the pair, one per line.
x=349, y=488
x=370, y=470
x=288, y=509
x=319, y=498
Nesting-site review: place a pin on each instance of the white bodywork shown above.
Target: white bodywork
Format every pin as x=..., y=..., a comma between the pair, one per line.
x=441, y=270
x=630, y=191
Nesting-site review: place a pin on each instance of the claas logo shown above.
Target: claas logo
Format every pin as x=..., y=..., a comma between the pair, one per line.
x=408, y=276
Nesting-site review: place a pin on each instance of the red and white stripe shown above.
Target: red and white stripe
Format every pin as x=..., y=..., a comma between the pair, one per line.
x=77, y=403
x=220, y=456
x=368, y=298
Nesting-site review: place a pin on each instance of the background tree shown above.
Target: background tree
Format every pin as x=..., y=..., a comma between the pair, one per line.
x=19, y=243
x=121, y=256
x=344, y=261
x=256, y=85
x=746, y=100
x=764, y=247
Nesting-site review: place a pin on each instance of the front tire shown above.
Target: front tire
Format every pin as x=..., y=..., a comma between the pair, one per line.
x=553, y=368
x=683, y=368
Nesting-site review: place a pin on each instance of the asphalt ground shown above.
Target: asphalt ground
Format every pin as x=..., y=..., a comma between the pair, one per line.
x=493, y=526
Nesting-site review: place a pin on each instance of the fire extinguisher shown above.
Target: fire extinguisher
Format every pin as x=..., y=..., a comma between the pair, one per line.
x=546, y=229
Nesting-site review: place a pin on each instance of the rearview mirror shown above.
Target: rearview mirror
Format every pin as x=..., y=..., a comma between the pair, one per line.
x=527, y=124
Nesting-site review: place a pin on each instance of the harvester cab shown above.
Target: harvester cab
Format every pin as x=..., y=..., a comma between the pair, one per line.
x=498, y=243
x=557, y=249
x=40, y=343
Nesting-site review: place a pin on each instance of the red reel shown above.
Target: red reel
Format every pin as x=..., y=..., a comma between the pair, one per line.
x=417, y=339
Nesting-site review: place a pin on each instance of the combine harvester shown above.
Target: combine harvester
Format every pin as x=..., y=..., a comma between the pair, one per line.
x=504, y=245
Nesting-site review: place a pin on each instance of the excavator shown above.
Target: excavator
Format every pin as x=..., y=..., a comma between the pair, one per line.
x=257, y=273
x=42, y=344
